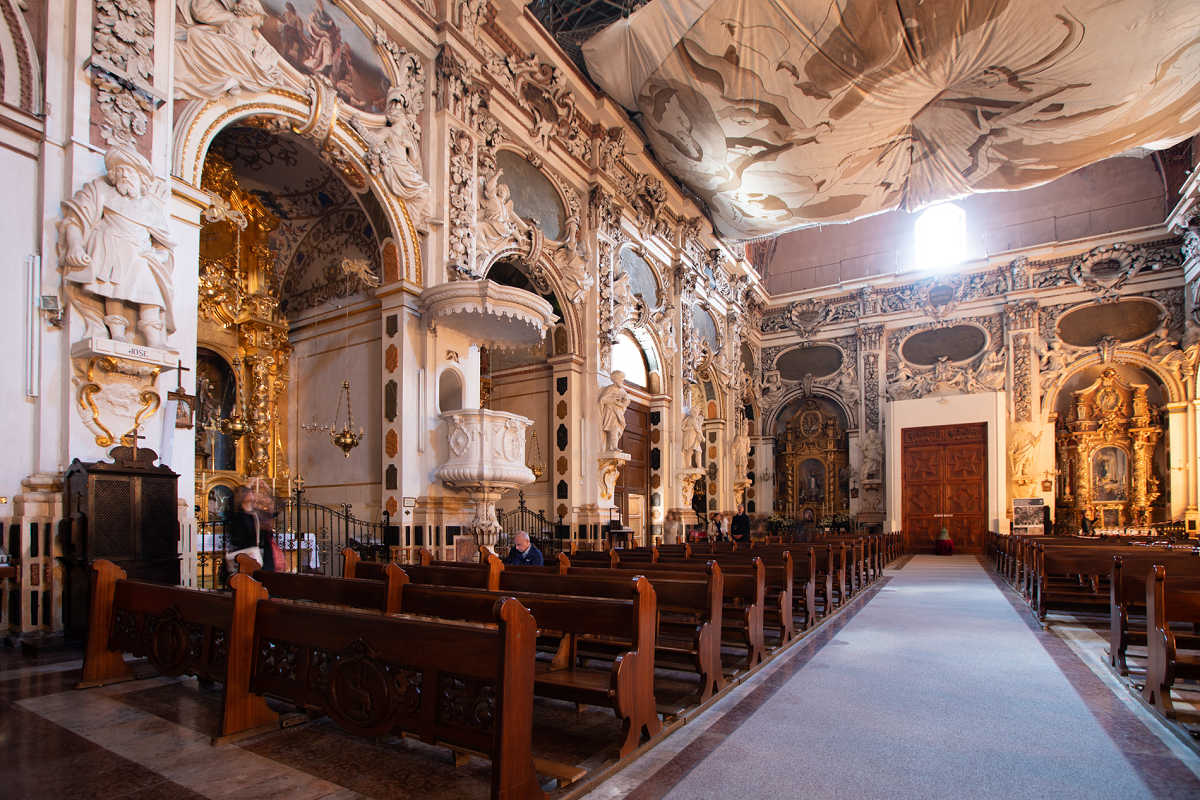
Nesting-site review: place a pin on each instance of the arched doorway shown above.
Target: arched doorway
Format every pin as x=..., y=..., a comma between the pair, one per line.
x=288, y=250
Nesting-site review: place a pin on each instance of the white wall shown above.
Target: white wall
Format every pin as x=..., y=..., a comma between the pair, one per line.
x=318, y=367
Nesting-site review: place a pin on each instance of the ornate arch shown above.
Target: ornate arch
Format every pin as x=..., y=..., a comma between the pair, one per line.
x=1169, y=378
x=543, y=270
x=20, y=73
x=771, y=418
x=315, y=117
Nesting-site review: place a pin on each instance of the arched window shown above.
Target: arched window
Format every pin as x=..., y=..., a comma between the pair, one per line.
x=941, y=234
x=627, y=356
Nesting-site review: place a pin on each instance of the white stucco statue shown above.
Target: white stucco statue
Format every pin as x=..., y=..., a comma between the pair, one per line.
x=1024, y=452
x=872, y=450
x=741, y=451
x=613, y=402
x=693, y=436
x=395, y=156
x=624, y=301
x=219, y=50
x=114, y=252
x=572, y=260
x=495, y=213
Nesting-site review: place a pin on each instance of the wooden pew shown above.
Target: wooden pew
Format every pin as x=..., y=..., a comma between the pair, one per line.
x=379, y=595
x=1164, y=604
x=368, y=672
x=627, y=688
x=182, y=632
x=464, y=686
x=1127, y=593
x=779, y=585
x=690, y=610
x=1069, y=576
x=692, y=644
x=742, y=619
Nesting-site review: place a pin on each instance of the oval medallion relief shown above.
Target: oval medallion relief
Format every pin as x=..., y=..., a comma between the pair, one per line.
x=817, y=361
x=1126, y=321
x=957, y=343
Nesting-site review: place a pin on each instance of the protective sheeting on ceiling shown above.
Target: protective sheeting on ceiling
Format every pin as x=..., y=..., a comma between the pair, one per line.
x=783, y=114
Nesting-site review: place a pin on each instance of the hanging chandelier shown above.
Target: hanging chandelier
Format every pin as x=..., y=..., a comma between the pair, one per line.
x=345, y=439
x=534, y=462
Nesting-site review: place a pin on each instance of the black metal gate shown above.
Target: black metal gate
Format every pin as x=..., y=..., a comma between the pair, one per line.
x=311, y=536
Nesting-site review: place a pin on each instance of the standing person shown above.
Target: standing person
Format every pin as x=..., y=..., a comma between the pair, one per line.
x=1086, y=525
x=523, y=553
x=244, y=534
x=672, y=528
x=719, y=528
x=740, y=526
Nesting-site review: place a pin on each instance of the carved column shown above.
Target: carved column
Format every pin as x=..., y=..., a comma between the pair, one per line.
x=870, y=344
x=564, y=444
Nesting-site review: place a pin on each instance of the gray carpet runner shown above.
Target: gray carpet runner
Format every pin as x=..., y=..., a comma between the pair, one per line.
x=936, y=689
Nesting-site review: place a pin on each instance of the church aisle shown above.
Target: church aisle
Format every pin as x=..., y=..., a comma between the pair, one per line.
x=937, y=688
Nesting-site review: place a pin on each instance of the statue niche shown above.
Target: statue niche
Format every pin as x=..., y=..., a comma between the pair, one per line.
x=813, y=460
x=1106, y=443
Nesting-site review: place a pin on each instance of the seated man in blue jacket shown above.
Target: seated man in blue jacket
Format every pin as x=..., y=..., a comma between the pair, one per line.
x=523, y=553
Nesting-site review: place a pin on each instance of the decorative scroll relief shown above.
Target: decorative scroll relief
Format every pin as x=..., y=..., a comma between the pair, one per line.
x=1105, y=270
x=648, y=197
x=541, y=91
x=462, y=205
x=871, y=382
x=944, y=377
x=122, y=68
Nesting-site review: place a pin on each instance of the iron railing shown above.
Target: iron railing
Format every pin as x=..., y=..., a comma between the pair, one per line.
x=311, y=536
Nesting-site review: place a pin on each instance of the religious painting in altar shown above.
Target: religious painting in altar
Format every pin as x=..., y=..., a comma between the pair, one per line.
x=318, y=38
x=813, y=458
x=1110, y=451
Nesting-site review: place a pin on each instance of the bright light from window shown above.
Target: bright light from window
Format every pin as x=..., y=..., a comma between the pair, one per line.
x=627, y=357
x=941, y=237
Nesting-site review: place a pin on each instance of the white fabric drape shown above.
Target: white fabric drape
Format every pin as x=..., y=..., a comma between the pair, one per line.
x=787, y=113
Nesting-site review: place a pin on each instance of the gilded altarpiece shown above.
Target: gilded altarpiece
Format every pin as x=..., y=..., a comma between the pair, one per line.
x=813, y=458
x=1106, y=443
x=239, y=296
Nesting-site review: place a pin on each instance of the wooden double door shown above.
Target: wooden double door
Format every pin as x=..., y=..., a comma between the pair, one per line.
x=944, y=486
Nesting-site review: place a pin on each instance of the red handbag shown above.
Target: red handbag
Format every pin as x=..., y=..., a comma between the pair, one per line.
x=277, y=554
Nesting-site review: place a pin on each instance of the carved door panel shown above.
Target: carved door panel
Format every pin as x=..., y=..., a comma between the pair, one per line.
x=944, y=485
x=635, y=475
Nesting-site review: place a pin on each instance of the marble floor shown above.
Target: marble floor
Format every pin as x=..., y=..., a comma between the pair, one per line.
x=151, y=737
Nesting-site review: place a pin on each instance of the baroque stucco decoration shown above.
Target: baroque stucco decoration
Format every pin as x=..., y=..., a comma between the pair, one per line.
x=122, y=69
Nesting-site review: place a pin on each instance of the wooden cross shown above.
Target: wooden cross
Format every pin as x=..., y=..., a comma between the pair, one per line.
x=134, y=437
x=182, y=369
